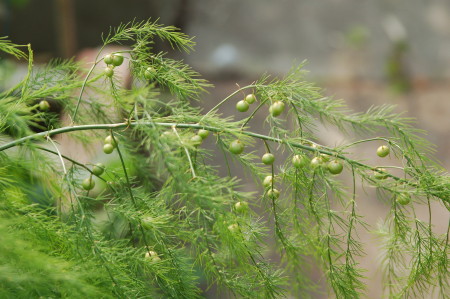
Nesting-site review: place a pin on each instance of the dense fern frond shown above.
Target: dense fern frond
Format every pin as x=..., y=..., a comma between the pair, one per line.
x=164, y=217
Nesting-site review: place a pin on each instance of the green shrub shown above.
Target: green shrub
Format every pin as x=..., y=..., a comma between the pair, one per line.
x=159, y=221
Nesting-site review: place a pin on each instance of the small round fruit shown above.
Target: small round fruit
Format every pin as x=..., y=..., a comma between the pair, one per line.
x=44, y=105
x=108, y=59
x=335, y=167
x=383, y=151
x=88, y=184
x=380, y=176
x=241, y=206
x=117, y=59
x=109, y=72
x=242, y=106
x=233, y=227
x=403, y=199
x=268, y=158
x=152, y=256
x=250, y=98
x=267, y=182
x=110, y=140
x=236, y=147
x=196, y=140
x=108, y=148
x=276, y=108
x=98, y=169
x=273, y=193
x=149, y=73
x=299, y=161
x=156, y=259
x=316, y=162
x=150, y=253
x=203, y=133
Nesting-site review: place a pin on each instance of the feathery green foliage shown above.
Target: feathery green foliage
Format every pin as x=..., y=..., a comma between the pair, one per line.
x=161, y=221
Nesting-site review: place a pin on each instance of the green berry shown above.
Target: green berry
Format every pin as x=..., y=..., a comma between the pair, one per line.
x=88, y=184
x=156, y=259
x=380, y=176
x=250, y=98
x=242, y=106
x=44, y=105
x=152, y=256
x=203, y=133
x=268, y=158
x=236, y=147
x=276, y=108
x=383, y=151
x=335, y=167
x=241, y=206
x=108, y=59
x=150, y=253
x=110, y=140
x=98, y=169
x=273, y=193
x=109, y=72
x=267, y=182
x=108, y=148
x=196, y=140
x=149, y=73
x=403, y=199
x=233, y=227
x=299, y=161
x=117, y=59
x=316, y=162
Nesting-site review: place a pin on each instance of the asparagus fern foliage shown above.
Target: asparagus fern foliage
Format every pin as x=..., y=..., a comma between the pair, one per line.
x=162, y=221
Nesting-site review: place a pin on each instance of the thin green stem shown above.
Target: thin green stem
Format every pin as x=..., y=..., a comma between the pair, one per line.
x=127, y=178
x=68, y=159
x=53, y=132
x=85, y=82
x=298, y=118
x=352, y=219
x=365, y=140
x=226, y=99
x=253, y=113
x=187, y=152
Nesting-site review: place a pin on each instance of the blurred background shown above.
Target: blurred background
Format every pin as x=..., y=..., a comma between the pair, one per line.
x=366, y=52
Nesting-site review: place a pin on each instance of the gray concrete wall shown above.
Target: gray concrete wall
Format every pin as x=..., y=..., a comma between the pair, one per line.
x=339, y=38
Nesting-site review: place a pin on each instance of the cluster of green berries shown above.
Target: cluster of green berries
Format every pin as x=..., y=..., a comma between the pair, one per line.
x=89, y=183
x=110, y=144
x=334, y=166
x=270, y=190
x=275, y=109
x=243, y=105
x=112, y=60
x=380, y=173
x=198, y=138
x=152, y=256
